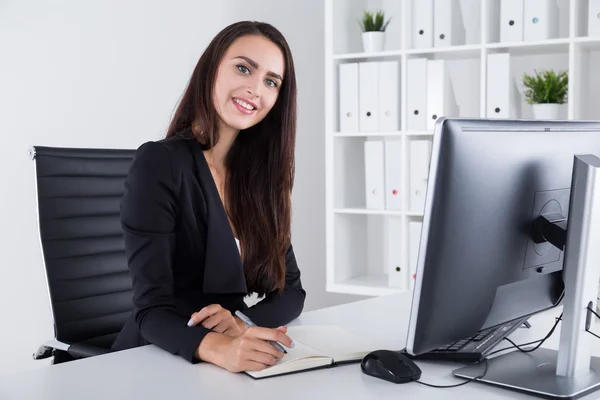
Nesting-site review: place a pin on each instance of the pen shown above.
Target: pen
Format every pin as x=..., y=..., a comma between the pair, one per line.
x=250, y=324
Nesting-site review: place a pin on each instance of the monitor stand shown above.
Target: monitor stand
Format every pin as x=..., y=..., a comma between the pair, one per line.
x=534, y=373
x=570, y=372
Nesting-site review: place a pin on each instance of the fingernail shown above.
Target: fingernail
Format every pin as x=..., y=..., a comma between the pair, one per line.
x=190, y=322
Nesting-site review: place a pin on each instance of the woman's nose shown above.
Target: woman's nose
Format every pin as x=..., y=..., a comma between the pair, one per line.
x=254, y=89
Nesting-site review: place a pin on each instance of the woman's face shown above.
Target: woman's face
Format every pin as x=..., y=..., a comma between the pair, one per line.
x=248, y=81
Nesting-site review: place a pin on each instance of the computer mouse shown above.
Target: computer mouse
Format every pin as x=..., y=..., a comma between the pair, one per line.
x=391, y=366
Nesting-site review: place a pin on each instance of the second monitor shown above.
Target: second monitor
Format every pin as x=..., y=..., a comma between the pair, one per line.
x=479, y=265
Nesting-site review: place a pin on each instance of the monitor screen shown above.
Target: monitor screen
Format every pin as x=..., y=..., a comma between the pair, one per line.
x=478, y=265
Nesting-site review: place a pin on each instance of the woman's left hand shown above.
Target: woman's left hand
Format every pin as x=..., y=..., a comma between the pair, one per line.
x=218, y=319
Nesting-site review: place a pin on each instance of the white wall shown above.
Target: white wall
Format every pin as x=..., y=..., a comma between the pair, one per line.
x=108, y=74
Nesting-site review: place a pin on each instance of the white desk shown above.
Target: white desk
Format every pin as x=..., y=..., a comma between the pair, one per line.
x=150, y=373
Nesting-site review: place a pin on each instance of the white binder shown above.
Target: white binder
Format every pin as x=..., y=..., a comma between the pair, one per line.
x=540, y=20
x=419, y=159
x=421, y=34
x=511, y=20
x=389, y=92
x=416, y=94
x=367, y=96
x=448, y=24
x=594, y=18
x=348, y=92
x=396, y=270
x=414, y=240
x=374, y=175
x=393, y=175
x=440, y=94
x=503, y=98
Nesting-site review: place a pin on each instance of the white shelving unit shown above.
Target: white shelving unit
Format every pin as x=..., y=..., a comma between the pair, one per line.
x=358, y=241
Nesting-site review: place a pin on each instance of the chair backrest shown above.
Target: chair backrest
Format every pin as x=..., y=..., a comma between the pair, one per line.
x=78, y=196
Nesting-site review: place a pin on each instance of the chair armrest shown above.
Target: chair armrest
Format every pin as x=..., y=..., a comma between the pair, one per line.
x=86, y=350
x=47, y=349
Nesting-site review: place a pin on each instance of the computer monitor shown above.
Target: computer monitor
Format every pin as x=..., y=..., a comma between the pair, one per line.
x=478, y=265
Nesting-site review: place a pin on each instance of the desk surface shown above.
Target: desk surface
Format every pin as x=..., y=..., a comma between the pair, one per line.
x=151, y=373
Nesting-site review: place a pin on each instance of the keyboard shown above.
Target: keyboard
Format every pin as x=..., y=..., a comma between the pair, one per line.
x=474, y=348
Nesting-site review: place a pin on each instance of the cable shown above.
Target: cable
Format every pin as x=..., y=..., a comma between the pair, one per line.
x=514, y=345
x=539, y=341
x=485, y=370
x=597, y=316
x=592, y=333
x=518, y=347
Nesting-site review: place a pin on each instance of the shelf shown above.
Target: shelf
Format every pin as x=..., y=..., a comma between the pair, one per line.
x=377, y=55
x=367, y=255
x=550, y=46
x=586, y=82
x=369, y=250
x=451, y=52
x=365, y=286
x=381, y=134
x=418, y=133
x=559, y=45
x=365, y=134
x=529, y=63
x=365, y=211
x=588, y=43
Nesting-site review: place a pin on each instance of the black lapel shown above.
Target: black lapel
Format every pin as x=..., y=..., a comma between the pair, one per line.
x=223, y=269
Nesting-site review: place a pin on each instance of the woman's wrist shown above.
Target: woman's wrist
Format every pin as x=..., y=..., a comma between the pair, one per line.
x=212, y=347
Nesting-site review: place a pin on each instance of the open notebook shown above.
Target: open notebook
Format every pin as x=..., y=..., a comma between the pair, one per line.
x=317, y=346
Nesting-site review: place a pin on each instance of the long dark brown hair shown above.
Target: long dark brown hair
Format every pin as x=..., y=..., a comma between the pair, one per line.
x=260, y=163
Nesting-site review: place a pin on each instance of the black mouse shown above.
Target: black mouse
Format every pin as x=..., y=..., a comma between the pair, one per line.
x=391, y=366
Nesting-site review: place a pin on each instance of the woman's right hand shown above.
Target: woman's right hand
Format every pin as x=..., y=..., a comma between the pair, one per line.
x=250, y=351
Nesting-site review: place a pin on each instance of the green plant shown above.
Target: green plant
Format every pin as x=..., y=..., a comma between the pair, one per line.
x=546, y=87
x=373, y=21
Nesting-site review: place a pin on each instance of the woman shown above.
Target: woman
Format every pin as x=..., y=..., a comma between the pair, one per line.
x=222, y=177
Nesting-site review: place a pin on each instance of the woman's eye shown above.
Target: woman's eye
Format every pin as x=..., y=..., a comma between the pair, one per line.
x=271, y=83
x=243, y=69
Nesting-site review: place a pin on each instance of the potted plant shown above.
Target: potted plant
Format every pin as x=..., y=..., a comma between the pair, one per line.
x=546, y=91
x=373, y=30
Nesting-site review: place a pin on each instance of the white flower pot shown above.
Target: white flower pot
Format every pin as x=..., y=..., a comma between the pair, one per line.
x=546, y=111
x=373, y=41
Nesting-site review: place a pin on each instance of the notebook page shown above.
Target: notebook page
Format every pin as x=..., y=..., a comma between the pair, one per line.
x=298, y=358
x=332, y=340
x=299, y=350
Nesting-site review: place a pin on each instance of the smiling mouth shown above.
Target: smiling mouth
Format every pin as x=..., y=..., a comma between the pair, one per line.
x=244, y=106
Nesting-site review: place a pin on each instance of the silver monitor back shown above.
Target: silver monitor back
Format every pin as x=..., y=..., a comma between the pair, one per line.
x=478, y=266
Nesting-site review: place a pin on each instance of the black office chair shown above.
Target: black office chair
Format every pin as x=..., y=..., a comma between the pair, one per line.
x=78, y=195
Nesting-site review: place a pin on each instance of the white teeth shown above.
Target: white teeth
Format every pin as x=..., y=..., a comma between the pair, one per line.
x=244, y=104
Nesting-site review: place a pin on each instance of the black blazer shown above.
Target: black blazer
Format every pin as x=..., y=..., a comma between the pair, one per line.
x=182, y=254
